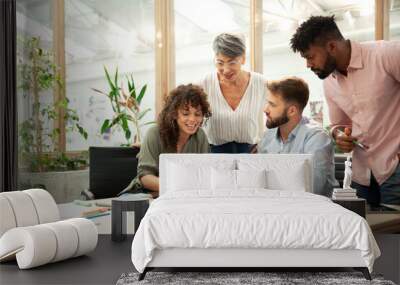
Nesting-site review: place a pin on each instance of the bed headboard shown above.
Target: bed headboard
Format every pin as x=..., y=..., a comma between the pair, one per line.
x=281, y=162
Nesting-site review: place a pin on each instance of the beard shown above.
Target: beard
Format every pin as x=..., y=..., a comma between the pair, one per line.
x=274, y=123
x=330, y=66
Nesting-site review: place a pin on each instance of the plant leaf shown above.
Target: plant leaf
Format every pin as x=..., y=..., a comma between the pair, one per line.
x=82, y=131
x=133, y=83
x=99, y=91
x=105, y=126
x=109, y=79
x=124, y=123
x=127, y=134
x=130, y=118
x=132, y=93
x=125, y=127
x=129, y=84
x=132, y=90
x=116, y=120
x=148, y=123
x=143, y=113
x=141, y=94
x=116, y=77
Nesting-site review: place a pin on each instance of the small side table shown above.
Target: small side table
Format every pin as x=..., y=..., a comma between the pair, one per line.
x=357, y=205
x=138, y=205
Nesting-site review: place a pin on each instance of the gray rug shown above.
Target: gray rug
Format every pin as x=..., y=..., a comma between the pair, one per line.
x=273, y=278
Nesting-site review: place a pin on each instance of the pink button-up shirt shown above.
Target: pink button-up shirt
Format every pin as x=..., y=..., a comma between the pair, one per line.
x=368, y=100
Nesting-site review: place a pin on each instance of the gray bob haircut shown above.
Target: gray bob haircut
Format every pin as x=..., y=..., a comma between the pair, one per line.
x=230, y=45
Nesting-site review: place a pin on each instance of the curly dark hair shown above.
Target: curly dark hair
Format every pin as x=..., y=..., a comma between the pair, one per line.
x=180, y=97
x=316, y=30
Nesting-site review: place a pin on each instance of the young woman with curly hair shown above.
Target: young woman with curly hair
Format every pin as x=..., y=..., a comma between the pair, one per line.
x=177, y=131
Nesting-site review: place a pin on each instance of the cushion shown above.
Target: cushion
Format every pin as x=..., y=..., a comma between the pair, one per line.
x=23, y=208
x=173, y=166
x=200, y=160
x=40, y=244
x=223, y=179
x=87, y=235
x=45, y=206
x=31, y=246
x=189, y=177
x=290, y=180
x=7, y=215
x=237, y=179
x=251, y=178
x=66, y=237
x=283, y=174
x=34, y=244
x=27, y=208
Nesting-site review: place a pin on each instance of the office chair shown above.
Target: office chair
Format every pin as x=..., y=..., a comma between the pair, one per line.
x=111, y=170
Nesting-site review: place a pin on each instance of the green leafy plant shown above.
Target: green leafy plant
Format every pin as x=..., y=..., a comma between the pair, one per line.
x=37, y=74
x=126, y=107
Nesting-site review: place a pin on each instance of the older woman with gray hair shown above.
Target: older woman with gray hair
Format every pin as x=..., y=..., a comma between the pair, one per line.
x=236, y=98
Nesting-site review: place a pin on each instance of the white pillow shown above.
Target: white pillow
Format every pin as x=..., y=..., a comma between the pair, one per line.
x=199, y=160
x=285, y=174
x=223, y=179
x=290, y=180
x=251, y=178
x=236, y=179
x=184, y=177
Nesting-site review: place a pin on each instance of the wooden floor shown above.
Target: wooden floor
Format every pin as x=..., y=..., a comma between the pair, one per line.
x=110, y=259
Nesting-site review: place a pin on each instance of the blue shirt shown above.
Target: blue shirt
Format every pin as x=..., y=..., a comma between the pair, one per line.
x=309, y=139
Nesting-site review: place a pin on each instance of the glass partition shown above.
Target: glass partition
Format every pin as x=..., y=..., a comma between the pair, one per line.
x=196, y=28
x=107, y=34
x=394, y=20
x=281, y=18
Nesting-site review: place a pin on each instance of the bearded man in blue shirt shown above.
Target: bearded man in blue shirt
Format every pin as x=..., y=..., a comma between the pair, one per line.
x=290, y=132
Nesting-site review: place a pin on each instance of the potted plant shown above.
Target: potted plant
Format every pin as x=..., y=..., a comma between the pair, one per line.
x=126, y=106
x=38, y=146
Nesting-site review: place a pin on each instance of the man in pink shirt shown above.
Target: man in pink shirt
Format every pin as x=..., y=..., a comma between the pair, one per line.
x=362, y=89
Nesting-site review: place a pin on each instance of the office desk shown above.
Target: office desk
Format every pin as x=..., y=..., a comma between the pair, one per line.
x=73, y=210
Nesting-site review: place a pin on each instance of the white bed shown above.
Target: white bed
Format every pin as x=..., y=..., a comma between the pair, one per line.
x=219, y=211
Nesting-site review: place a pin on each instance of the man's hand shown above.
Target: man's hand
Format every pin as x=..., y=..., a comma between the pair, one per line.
x=345, y=141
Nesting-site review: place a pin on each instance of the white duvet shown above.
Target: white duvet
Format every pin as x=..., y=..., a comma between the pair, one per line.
x=253, y=218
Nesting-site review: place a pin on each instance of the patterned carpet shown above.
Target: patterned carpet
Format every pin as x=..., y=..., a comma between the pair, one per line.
x=242, y=278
